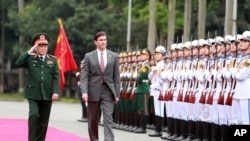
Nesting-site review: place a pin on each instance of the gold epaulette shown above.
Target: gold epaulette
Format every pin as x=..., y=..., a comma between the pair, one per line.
x=146, y=65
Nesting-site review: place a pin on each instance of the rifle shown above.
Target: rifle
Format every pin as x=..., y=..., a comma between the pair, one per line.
x=134, y=76
x=127, y=92
x=224, y=82
x=230, y=94
x=161, y=97
x=173, y=84
x=166, y=96
x=203, y=93
x=167, y=92
x=210, y=95
x=186, y=97
x=132, y=94
x=192, y=93
x=180, y=94
x=195, y=82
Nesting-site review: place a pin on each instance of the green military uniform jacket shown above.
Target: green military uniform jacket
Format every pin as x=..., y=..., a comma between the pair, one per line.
x=43, y=76
x=143, y=84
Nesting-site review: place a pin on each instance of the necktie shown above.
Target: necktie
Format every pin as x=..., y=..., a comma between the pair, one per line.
x=102, y=62
x=41, y=58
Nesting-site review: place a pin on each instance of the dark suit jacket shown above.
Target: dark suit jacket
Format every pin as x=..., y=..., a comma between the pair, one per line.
x=92, y=76
x=43, y=76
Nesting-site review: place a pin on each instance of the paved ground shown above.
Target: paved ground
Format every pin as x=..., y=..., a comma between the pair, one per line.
x=63, y=117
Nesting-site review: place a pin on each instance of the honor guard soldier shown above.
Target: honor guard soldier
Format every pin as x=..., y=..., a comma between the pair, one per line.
x=241, y=96
x=132, y=102
x=124, y=81
x=127, y=102
x=234, y=118
x=142, y=91
x=184, y=109
x=190, y=97
x=223, y=109
x=157, y=89
x=137, y=65
x=151, y=121
x=177, y=75
x=201, y=67
x=117, y=106
x=168, y=94
x=233, y=59
x=216, y=85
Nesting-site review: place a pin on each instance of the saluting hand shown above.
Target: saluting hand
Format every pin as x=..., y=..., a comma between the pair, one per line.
x=32, y=50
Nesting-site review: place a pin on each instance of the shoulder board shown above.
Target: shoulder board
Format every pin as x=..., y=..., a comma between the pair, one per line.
x=146, y=65
x=52, y=56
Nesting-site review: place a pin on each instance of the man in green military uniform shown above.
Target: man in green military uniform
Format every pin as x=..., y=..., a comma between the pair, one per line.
x=142, y=91
x=41, y=86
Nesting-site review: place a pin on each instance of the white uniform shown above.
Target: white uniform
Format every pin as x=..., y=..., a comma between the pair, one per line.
x=242, y=91
x=224, y=110
x=178, y=78
x=202, y=111
x=156, y=87
x=166, y=77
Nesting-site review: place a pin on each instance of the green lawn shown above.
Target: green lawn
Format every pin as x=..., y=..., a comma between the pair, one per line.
x=19, y=97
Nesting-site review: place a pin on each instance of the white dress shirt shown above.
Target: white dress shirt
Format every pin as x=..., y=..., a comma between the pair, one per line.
x=104, y=57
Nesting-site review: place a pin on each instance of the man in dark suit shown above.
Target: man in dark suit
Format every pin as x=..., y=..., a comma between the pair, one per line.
x=41, y=86
x=100, y=86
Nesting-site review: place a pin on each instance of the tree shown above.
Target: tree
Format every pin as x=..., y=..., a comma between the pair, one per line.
x=202, y=18
x=229, y=18
x=152, y=26
x=171, y=21
x=187, y=20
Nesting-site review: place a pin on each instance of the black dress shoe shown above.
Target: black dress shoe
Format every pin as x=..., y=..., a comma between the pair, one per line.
x=173, y=137
x=121, y=126
x=166, y=137
x=135, y=128
x=165, y=129
x=155, y=134
x=82, y=120
x=189, y=138
x=152, y=126
x=197, y=139
x=140, y=130
x=130, y=128
x=180, y=138
x=116, y=125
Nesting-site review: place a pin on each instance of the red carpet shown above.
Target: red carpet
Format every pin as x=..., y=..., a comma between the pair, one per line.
x=17, y=130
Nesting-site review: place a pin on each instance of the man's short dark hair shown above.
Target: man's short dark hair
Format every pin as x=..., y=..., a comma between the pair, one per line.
x=98, y=34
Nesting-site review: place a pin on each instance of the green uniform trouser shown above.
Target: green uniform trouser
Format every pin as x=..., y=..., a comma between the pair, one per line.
x=142, y=103
x=39, y=113
x=151, y=105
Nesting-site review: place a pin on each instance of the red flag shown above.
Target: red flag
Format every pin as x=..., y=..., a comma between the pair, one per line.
x=64, y=55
